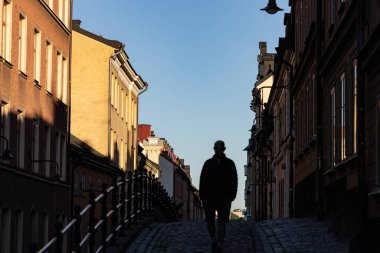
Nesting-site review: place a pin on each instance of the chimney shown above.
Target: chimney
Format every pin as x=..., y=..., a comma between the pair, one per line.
x=263, y=48
x=144, y=131
x=76, y=22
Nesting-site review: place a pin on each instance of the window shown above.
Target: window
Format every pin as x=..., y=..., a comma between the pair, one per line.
x=377, y=170
x=64, y=239
x=112, y=146
x=37, y=56
x=63, y=157
x=20, y=139
x=47, y=150
x=355, y=111
x=333, y=126
x=4, y=126
x=76, y=180
x=64, y=80
x=49, y=67
x=91, y=182
x=314, y=92
x=117, y=94
x=22, y=43
x=58, y=153
x=35, y=144
x=18, y=231
x=343, y=117
x=50, y=3
x=112, y=89
x=34, y=227
x=66, y=12
x=125, y=155
x=121, y=160
x=45, y=228
x=6, y=29
x=122, y=104
x=126, y=107
x=60, y=9
x=332, y=12
x=5, y=232
x=59, y=75
x=83, y=182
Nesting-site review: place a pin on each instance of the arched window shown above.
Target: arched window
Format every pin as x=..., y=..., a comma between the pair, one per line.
x=45, y=228
x=18, y=231
x=5, y=220
x=34, y=228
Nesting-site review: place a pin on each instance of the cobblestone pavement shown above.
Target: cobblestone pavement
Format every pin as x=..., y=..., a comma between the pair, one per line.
x=191, y=237
x=272, y=236
x=295, y=235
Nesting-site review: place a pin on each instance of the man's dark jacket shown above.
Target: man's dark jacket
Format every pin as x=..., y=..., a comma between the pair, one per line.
x=218, y=180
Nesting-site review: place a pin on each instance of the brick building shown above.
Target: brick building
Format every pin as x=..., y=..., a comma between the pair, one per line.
x=34, y=92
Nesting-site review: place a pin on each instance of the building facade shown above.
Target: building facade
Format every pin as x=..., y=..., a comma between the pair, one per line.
x=104, y=112
x=34, y=91
x=328, y=62
x=259, y=184
x=173, y=174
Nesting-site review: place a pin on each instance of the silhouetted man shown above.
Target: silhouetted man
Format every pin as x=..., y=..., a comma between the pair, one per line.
x=217, y=189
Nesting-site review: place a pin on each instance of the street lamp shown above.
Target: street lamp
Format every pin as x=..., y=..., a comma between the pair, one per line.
x=7, y=155
x=272, y=7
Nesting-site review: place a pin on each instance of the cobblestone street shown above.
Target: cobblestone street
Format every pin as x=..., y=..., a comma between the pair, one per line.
x=275, y=236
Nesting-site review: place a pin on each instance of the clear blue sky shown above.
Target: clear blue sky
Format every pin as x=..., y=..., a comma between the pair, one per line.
x=199, y=58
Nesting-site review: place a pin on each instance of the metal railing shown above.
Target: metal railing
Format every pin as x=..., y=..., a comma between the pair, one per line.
x=132, y=197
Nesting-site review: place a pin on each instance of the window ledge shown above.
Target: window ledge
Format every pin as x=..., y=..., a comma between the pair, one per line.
x=329, y=172
x=37, y=84
x=343, y=164
x=49, y=93
x=22, y=74
x=7, y=63
x=375, y=192
x=61, y=102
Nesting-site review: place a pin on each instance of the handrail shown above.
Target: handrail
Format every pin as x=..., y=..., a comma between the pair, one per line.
x=113, y=211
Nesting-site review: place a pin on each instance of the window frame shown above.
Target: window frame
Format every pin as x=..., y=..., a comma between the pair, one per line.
x=37, y=56
x=333, y=125
x=22, y=42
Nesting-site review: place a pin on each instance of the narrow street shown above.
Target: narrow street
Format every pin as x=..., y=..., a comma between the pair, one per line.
x=274, y=236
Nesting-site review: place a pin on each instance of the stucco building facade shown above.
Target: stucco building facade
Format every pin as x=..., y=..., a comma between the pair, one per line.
x=104, y=114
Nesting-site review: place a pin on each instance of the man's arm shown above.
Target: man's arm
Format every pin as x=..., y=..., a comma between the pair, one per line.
x=233, y=181
x=202, y=182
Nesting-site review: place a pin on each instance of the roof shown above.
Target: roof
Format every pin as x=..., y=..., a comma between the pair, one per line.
x=112, y=43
